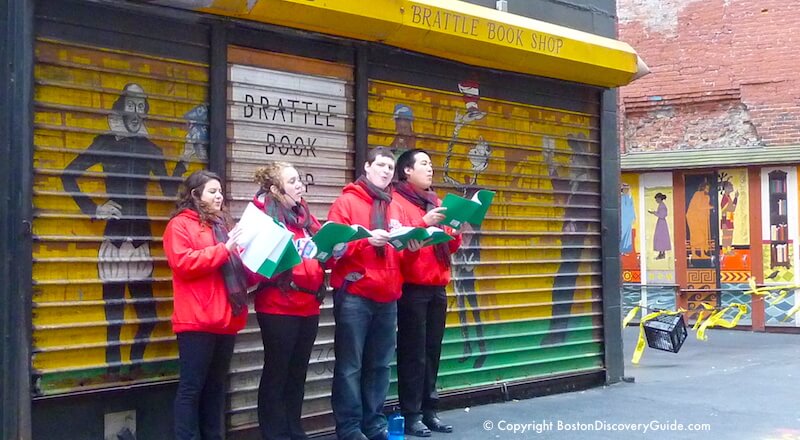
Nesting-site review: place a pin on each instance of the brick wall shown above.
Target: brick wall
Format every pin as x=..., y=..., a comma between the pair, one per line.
x=725, y=74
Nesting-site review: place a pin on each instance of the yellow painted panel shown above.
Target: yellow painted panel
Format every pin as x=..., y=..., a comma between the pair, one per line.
x=50, y=293
x=89, y=157
x=80, y=271
x=85, y=314
x=92, y=335
x=536, y=159
x=95, y=357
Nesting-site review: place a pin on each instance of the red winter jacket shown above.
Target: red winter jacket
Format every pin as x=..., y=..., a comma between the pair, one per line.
x=196, y=259
x=382, y=281
x=422, y=267
x=309, y=274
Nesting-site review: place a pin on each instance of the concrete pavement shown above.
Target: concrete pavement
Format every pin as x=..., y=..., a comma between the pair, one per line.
x=736, y=385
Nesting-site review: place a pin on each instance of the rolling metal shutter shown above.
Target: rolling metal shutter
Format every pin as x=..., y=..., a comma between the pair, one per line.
x=525, y=301
x=120, y=118
x=298, y=110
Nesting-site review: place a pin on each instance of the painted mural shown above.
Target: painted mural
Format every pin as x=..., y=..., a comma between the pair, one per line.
x=779, y=212
x=657, y=199
x=657, y=258
x=734, y=252
x=700, y=249
x=630, y=231
x=115, y=132
x=466, y=258
x=525, y=296
x=717, y=213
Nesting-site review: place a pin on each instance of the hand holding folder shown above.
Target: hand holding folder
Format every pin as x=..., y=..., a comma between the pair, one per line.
x=268, y=248
x=332, y=234
x=399, y=237
x=461, y=210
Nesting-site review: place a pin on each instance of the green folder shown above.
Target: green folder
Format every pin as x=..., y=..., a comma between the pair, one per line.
x=399, y=237
x=461, y=210
x=332, y=234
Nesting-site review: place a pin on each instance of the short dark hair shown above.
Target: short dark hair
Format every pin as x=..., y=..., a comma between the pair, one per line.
x=406, y=160
x=378, y=151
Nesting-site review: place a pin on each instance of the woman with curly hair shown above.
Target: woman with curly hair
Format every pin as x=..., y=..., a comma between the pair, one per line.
x=287, y=306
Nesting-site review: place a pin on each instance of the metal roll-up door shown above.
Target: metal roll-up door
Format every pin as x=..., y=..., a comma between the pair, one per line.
x=120, y=119
x=298, y=110
x=525, y=300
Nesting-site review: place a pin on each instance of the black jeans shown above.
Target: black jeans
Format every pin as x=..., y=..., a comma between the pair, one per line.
x=200, y=401
x=421, y=315
x=288, y=341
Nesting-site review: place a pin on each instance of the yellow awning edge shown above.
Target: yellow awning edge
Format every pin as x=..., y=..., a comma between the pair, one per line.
x=451, y=29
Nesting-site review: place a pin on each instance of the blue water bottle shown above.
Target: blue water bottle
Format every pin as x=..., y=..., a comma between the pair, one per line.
x=396, y=426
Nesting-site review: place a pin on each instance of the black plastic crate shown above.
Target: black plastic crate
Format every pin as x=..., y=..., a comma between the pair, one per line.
x=666, y=332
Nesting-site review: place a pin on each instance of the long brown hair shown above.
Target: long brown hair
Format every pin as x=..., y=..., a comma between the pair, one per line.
x=189, y=197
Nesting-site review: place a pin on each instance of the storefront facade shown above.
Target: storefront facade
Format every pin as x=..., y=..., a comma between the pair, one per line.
x=122, y=100
x=698, y=227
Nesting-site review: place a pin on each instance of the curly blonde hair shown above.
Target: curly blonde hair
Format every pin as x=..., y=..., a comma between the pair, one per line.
x=270, y=174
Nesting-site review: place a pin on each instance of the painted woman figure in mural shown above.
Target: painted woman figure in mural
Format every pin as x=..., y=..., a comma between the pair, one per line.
x=127, y=157
x=465, y=259
x=727, y=210
x=661, y=239
x=698, y=220
x=627, y=217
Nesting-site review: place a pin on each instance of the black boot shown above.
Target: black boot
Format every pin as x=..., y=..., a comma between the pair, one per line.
x=431, y=420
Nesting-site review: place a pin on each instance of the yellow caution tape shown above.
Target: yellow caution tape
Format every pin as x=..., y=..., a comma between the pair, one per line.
x=779, y=298
x=699, y=319
x=774, y=299
x=701, y=315
x=642, y=343
x=629, y=316
x=716, y=320
x=791, y=312
x=768, y=291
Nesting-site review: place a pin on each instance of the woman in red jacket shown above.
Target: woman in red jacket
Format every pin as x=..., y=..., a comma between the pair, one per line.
x=209, y=287
x=287, y=307
x=422, y=308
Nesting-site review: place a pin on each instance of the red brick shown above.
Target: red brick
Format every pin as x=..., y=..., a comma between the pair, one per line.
x=712, y=46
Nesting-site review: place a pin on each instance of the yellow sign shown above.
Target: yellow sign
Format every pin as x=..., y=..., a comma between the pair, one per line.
x=454, y=30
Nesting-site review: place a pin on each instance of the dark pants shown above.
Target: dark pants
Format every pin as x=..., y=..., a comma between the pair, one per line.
x=420, y=327
x=200, y=401
x=364, y=346
x=288, y=341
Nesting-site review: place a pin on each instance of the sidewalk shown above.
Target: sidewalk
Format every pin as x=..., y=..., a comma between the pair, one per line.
x=742, y=385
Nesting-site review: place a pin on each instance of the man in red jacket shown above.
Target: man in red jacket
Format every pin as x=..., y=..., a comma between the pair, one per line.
x=423, y=306
x=367, y=283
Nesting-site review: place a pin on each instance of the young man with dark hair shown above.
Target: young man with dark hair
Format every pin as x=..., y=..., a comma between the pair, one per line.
x=367, y=283
x=422, y=308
